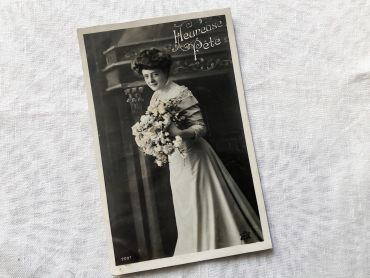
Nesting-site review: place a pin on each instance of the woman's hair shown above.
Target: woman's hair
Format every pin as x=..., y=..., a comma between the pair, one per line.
x=152, y=59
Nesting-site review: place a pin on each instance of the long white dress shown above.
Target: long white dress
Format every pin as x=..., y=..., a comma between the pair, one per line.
x=210, y=209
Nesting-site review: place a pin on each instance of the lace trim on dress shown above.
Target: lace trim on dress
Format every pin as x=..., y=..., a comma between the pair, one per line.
x=184, y=93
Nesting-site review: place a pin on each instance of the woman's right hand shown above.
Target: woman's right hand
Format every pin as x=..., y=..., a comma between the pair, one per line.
x=174, y=130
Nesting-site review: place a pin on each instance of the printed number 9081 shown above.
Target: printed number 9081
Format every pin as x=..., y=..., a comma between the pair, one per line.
x=126, y=258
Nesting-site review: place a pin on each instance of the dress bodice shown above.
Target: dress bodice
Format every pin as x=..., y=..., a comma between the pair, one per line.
x=187, y=104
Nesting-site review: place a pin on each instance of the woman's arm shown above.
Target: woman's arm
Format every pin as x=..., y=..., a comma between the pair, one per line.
x=192, y=132
x=183, y=133
x=191, y=111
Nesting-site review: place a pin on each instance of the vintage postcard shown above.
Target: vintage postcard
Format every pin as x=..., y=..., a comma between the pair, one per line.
x=177, y=168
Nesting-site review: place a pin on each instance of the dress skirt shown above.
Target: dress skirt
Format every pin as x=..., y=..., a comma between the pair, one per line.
x=211, y=211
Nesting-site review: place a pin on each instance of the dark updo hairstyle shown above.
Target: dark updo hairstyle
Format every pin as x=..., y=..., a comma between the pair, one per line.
x=152, y=59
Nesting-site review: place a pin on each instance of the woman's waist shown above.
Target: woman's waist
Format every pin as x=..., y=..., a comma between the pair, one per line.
x=190, y=146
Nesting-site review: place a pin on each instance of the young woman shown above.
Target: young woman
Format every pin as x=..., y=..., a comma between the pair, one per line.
x=210, y=209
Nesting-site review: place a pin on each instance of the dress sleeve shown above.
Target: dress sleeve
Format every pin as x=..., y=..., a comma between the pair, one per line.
x=190, y=109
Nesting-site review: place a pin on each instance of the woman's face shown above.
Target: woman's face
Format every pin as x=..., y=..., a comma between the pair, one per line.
x=154, y=78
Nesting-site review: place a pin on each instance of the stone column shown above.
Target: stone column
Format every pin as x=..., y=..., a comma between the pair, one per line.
x=134, y=98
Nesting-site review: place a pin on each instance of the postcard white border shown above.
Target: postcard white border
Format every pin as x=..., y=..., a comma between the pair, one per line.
x=199, y=256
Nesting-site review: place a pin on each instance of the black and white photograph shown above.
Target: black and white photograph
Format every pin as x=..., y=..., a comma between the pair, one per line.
x=178, y=173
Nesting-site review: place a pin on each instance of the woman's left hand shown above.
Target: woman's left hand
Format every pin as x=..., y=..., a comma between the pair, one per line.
x=174, y=130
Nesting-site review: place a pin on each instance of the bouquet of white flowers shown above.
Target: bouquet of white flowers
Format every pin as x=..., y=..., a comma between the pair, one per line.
x=151, y=133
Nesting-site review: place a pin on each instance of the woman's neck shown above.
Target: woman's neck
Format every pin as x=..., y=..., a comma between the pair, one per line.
x=165, y=91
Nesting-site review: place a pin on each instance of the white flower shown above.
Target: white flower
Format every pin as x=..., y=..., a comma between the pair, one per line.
x=153, y=137
x=157, y=148
x=166, y=119
x=161, y=108
x=168, y=149
x=157, y=124
x=177, y=142
x=145, y=119
x=138, y=141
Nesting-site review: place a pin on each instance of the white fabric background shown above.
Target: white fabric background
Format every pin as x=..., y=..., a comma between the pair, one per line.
x=306, y=71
